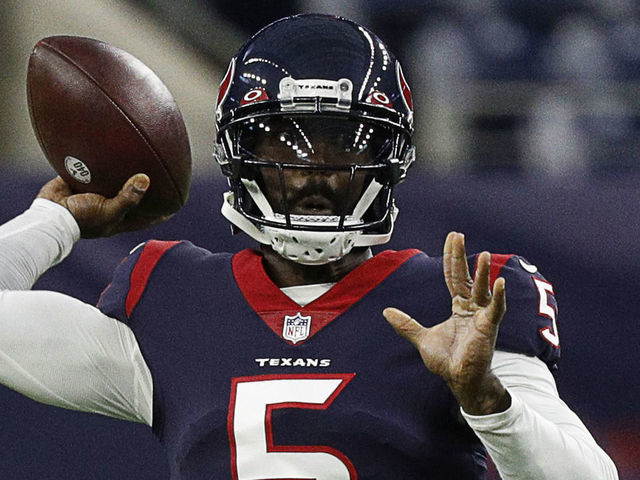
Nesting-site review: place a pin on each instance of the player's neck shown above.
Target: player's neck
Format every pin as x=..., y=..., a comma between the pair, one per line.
x=286, y=273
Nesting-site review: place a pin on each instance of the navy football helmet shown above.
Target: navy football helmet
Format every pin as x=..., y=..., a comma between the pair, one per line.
x=308, y=97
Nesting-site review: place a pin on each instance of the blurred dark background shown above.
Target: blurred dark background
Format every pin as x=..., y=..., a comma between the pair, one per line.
x=527, y=123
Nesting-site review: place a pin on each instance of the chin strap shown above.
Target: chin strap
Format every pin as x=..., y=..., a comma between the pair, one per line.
x=303, y=246
x=240, y=221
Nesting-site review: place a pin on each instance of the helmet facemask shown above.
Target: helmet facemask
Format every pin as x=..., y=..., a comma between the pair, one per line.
x=312, y=186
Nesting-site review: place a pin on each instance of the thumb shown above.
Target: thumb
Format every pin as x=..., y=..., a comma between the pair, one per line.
x=129, y=196
x=405, y=326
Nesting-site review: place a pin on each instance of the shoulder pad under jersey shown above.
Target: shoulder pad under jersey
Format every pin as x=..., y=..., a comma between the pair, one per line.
x=132, y=276
x=530, y=322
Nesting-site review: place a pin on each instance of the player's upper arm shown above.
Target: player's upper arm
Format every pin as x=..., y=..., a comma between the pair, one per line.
x=63, y=352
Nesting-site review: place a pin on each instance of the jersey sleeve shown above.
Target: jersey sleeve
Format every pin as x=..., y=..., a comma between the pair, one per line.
x=131, y=279
x=530, y=322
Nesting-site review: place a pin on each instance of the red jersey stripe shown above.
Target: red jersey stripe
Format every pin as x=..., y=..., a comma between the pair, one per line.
x=498, y=261
x=149, y=258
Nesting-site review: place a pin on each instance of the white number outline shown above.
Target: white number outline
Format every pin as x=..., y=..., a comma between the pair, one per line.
x=548, y=310
x=271, y=447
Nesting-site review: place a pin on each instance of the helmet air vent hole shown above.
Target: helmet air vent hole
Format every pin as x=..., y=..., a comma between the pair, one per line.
x=295, y=239
x=319, y=250
x=333, y=240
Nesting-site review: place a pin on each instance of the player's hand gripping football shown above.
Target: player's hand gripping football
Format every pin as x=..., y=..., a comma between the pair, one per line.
x=460, y=349
x=98, y=216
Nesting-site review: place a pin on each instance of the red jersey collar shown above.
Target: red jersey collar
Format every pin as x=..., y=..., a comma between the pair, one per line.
x=272, y=305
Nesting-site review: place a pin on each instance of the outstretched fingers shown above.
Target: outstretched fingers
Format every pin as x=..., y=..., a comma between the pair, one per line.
x=494, y=303
x=480, y=291
x=446, y=259
x=405, y=326
x=498, y=306
x=456, y=268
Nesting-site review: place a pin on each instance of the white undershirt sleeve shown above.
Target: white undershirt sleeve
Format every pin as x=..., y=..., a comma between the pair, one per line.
x=538, y=437
x=33, y=242
x=54, y=348
x=63, y=352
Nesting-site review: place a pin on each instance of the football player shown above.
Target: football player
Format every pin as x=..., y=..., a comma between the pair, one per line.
x=314, y=127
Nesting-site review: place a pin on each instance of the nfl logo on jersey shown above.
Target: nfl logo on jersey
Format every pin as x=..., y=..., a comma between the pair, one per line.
x=296, y=328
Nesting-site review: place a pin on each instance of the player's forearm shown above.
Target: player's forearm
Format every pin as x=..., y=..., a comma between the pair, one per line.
x=538, y=436
x=525, y=446
x=33, y=242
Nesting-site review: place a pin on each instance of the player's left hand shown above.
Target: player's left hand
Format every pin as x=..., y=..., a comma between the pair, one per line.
x=460, y=349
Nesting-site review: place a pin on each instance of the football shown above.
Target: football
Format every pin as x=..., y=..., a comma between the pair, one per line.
x=101, y=115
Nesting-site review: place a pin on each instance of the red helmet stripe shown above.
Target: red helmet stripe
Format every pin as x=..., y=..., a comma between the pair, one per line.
x=404, y=87
x=226, y=82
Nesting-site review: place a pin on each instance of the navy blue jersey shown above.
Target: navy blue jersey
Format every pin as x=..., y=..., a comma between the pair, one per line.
x=249, y=385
